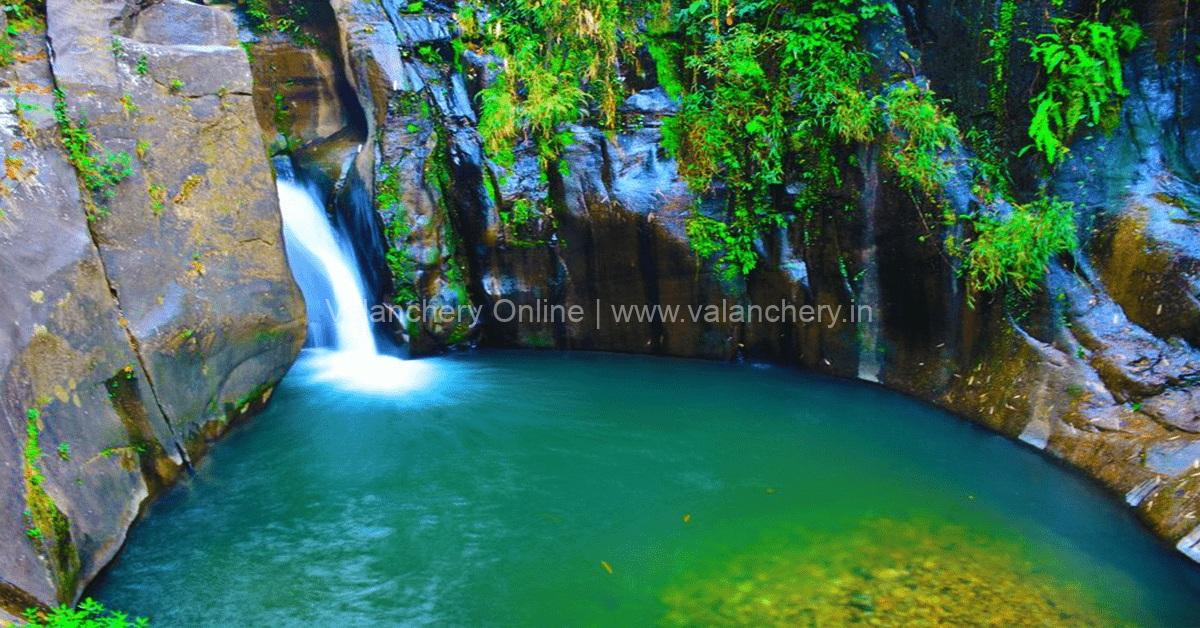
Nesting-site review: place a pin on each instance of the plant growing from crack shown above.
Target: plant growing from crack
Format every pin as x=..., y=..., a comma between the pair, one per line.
x=99, y=168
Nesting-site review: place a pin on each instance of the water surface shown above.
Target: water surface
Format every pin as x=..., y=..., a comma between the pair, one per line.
x=543, y=488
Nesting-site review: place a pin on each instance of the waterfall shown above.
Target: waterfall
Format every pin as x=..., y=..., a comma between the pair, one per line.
x=342, y=349
x=324, y=265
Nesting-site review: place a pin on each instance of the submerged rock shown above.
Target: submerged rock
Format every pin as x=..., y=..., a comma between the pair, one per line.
x=884, y=572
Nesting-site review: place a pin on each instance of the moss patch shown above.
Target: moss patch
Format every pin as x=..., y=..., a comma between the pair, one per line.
x=47, y=527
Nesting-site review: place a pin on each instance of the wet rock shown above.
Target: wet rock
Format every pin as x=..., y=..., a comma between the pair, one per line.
x=183, y=261
x=1139, y=493
x=1190, y=545
x=1174, y=457
x=63, y=343
x=1177, y=408
x=299, y=89
x=652, y=101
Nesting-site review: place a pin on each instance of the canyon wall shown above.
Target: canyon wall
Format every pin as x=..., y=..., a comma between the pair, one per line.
x=1098, y=369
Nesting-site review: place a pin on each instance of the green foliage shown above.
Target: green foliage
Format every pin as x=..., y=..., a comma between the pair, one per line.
x=128, y=105
x=7, y=49
x=499, y=120
x=560, y=61
x=772, y=87
x=999, y=43
x=1082, y=64
x=282, y=16
x=176, y=86
x=33, y=450
x=248, y=48
x=143, y=66
x=732, y=244
x=990, y=166
x=429, y=54
x=47, y=527
x=400, y=262
x=1017, y=248
x=158, y=198
x=666, y=54
x=23, y=16
x=774, y=96
x=523, y=216
x=99, y=168
x=282, y=116
x=89, y=614
x=523, y=212
x=925, y=130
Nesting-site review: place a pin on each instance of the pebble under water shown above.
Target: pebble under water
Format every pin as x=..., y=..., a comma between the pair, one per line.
x=565, y=489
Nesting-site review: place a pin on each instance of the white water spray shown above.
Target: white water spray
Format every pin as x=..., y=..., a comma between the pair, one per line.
x=341, y=303
x=323, y=263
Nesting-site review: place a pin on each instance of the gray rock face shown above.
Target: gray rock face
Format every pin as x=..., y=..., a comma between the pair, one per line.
x=220, y=311
x=1121, y=372
x=144, y=315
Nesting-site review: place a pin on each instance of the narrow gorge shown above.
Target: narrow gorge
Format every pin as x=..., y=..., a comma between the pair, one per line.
x=984, y=210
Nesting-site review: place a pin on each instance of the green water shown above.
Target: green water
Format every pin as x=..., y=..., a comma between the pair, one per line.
x=540, y=488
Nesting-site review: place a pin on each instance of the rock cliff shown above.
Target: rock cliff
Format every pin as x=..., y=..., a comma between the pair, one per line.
x=148, y=301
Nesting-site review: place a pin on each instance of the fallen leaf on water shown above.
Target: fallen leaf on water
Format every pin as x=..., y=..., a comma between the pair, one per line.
x=687, y=518
x=607, y=567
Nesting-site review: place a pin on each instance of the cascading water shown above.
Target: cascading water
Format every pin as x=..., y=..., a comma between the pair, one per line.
x=342, y=350
x=324, y=267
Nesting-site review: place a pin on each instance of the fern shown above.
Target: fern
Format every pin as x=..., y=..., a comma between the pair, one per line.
x=775, y=89
x=1082, y=63
x=498, y=120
